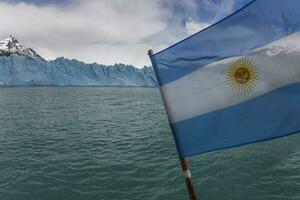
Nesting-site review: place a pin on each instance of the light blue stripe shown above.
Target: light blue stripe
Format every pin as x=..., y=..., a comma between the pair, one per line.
x=259, y=23
x=269, y=116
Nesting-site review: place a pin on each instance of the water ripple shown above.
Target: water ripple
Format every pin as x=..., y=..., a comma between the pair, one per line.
x=115, y=143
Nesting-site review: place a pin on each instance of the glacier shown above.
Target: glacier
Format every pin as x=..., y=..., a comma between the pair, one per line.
x=20, y=70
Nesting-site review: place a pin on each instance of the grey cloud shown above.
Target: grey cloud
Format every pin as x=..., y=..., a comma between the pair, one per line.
x=93, y=31
x=106, y=31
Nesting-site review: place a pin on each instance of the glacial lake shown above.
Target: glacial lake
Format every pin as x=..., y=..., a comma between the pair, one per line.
x=112, y=143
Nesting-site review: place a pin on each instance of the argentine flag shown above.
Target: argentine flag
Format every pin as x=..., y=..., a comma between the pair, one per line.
x=235, y=82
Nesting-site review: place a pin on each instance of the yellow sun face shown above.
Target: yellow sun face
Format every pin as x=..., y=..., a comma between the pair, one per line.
x=242, y=75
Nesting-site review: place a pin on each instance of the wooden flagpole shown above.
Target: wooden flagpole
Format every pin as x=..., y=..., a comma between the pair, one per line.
x=184, y=161
x=188, y=178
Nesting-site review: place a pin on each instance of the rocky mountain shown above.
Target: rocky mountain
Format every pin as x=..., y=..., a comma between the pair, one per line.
x=12, y=46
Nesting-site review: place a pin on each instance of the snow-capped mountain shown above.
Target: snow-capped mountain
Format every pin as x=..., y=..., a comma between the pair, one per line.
x=12, y=46
x=21, y=66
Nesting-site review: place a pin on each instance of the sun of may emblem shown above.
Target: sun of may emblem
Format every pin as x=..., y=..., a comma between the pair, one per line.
x=242, y=75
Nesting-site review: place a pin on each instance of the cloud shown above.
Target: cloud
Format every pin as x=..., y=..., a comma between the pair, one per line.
x=43, y=2
x=106, y=31
x=193, y=27
x=92, y=31
x=219, y=7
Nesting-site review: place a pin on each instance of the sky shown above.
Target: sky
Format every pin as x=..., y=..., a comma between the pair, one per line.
x=108, y=31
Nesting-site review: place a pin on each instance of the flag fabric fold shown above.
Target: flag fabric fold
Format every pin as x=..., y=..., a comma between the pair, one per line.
x=235, y=82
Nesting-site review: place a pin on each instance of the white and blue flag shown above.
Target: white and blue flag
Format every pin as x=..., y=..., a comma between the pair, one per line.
x=235, y=82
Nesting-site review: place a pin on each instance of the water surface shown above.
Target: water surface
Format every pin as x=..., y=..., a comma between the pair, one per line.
x=115, y=143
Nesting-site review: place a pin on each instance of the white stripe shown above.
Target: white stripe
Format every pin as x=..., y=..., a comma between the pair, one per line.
x=206, y=90
x=187, y=174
